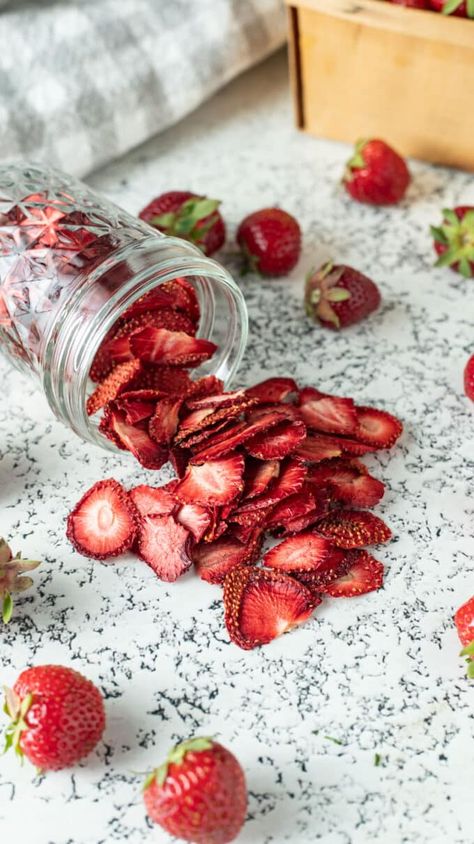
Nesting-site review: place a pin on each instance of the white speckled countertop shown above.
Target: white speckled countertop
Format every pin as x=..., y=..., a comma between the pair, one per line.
x=381, y=673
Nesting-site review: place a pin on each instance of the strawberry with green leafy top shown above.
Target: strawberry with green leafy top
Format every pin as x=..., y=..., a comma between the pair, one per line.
x=184, y=214
x=57, y=716
x=337, y=296
x=199, y=793
x=454, y=240
x=464, y=621
x=376, y=174
x=13, y=577
x=458, y=8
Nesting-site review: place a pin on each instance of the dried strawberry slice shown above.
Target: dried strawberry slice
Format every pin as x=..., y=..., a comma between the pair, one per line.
x=104, y=522
x=132, y=438
x=261, y=604
x=171, y=348
x=165, y=420
x=179, y=459
x=214, y=560
x=349, y=482
x=209, y=385
x=331, y=414
x=198, y=420
x=290, y=480
x=163, y=544
x=259, y=475
x=243, y=432
x=244, y=532
x=363, y=573
x=282, y=440
x=153, y=501
x=307, y=552
x=166, y=379
x=155, y=299
x=207, y=433
x=193, y=422
x=183, y=297
x=119, y=349
x=354, y=528
x=219, y=400
x=138, y=405
x=318, y=447
x=195, y=518
x=296, y=505
x=214, y=482
x=286, y=411
x=273, y=390
x=377, y=427
x=119, y=379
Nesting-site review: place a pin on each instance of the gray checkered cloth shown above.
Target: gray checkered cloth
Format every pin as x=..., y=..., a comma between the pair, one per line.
x=83, y=81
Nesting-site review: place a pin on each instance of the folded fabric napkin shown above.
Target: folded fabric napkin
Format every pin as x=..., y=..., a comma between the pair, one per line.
x=83, y=81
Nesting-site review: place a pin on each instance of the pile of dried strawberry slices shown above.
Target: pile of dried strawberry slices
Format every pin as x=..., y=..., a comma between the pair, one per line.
x=275, y=463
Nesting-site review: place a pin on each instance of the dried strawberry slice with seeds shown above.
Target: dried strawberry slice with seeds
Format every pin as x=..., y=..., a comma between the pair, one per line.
x=171, y=348
x=104, y=522
x=195, y=518
x=303, y=552
x=273, y=390
x=286, y=411
x=261, y=604
x=290, y=480
x=165, y=420
x=282, y=440
x=354, y=528
x=166, y=379
x=155, y=299
x=214, y=482
x=219, y=400
x=193, y=422
x=132, y=438
x=214, y=560
x=208, y=385
x=153, y=501
x=208, y=433
x=330, y=414
x=243, y=432
x=258, y=476
x=119, y=379
x=179, y=459
x=119, y=348
x=318, y=447
x=377, y=427
x=349, y=482
x=138, y=405
x=363, y=573
x=183, y=297
x=296, y=505
x=163, y=545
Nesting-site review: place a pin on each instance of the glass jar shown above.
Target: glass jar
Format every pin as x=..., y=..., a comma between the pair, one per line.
x=71, y=263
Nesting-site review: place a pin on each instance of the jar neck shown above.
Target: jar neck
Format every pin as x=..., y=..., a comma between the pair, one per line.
x=108, y=291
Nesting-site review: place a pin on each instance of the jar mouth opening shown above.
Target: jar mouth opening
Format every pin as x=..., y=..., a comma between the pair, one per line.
x=71, y=351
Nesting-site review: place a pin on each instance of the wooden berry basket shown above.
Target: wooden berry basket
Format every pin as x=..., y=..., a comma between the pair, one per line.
x=367, y=68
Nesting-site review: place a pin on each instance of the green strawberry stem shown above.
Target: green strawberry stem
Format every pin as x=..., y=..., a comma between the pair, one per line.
x=469, y=652
x=185, y=222
x=16, y=710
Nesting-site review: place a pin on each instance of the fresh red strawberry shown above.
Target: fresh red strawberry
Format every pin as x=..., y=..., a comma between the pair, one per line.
x=469, y=378
x=364, y=574
x=184, y=214
x=13, y=578
x=304, y=552
x=171, y=348
x=330, y=414
x=198, y=794
x=164, y=423
x=153, y=501
x=195, y=518
x=57, y=716
x=338, y=296
x=270, y=240
x=273, y=390
x=261, y=604
x=118, y=381
x=453, y=240
x=459, y=8
x=163, y=543
x=281, y=440
x=132, y=438
x=214, y=560
x=258, y=475
x=413, y=4
x=464, y=621
x=354, y=528
x=104, y=522
x=377, y=427
x=213, y=482
x=376, y=174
